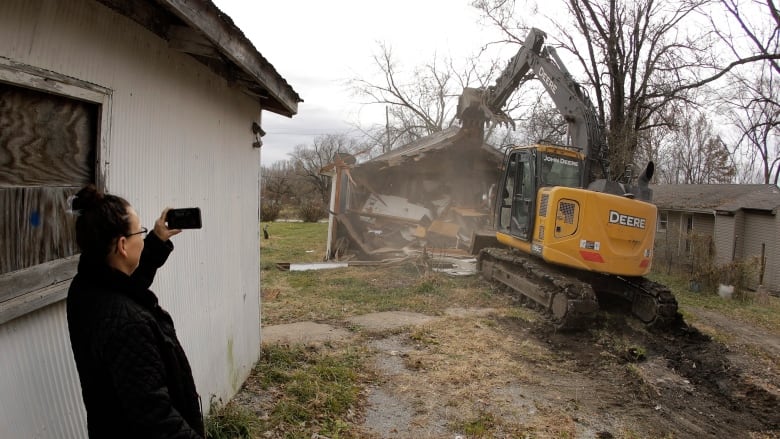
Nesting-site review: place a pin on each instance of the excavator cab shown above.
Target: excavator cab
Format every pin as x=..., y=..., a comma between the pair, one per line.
x=527, y=169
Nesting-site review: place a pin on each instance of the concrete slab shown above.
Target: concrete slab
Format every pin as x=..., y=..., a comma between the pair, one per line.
x=383, y=321
x=469, y=312
x=302, y=333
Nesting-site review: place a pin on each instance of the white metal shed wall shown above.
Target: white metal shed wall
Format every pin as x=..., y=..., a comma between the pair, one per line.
x=179, y=136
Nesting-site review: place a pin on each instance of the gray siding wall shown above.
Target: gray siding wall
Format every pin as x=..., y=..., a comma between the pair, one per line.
x=724, y=238
x=760, y=232
x=671, y=243
x=739, y=235
x=703, y=223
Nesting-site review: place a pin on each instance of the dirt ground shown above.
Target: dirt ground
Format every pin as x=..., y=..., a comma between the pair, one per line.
x=489, y=373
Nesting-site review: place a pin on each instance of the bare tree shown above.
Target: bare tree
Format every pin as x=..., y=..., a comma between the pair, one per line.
x=421, y=102
x=632, y=56
x=277, y=182
x=635, y=56
x=759, y=22
x=309, y=160
x=699, y=155
x=544, y=123
x=756, y=114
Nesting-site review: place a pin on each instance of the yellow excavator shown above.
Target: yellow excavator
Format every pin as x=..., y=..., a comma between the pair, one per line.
x=571, y=236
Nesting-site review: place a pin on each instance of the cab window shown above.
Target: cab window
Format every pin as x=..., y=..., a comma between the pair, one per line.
x=559, y=170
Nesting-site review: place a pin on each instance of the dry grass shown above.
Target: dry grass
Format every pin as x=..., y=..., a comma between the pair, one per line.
x=460, y=369
x=470, y=374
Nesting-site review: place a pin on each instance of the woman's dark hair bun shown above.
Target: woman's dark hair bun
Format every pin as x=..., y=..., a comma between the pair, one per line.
x=87, y=198
x=101, y=219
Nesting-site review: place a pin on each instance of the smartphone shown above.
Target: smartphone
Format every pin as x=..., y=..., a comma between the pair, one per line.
x=187, y=218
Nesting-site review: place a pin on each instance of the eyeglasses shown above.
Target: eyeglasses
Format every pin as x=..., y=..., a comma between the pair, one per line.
x=143, y=233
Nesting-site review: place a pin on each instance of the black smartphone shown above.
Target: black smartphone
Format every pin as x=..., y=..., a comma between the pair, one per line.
x=187, y=218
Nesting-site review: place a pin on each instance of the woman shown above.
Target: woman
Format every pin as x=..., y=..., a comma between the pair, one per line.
x=136, y=381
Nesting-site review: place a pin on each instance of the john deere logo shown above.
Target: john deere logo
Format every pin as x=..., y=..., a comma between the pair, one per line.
x=616, y=217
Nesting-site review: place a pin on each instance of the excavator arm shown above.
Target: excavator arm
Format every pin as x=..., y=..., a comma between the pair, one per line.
x=585, y=129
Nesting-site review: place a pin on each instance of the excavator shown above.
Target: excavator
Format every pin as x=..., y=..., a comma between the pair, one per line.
x=570, y=237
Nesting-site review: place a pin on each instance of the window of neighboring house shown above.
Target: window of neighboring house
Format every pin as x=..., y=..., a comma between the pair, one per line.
x=49, y=145
x=663, y=220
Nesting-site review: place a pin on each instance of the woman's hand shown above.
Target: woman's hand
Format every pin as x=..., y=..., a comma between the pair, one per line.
x=161, y=229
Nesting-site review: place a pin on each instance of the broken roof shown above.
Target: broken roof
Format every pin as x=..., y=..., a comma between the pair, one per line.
x=716, y=197
x=433, y=142
x=199, y=29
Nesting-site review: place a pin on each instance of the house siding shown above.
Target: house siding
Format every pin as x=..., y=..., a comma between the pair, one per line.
x=762, y=229
x=739, y=236
x=735, y=237
x=178, y=136
x=724, y=238
x=671, y=245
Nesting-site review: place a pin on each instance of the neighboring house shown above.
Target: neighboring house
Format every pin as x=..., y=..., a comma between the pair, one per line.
x=741, y=219
x=159, y=102
x=432, y=193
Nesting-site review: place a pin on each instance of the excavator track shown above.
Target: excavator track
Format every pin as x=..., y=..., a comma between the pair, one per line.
x=570, y=297
x=652, y=303
x=570, y=302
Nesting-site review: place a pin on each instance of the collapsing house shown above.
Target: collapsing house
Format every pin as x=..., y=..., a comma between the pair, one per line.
x=432, y=194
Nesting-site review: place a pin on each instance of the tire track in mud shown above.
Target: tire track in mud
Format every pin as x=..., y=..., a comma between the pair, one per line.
x=705, y=363
x=685, y=380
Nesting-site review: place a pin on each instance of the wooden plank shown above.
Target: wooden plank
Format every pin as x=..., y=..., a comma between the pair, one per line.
x=444, y=228
x=35, y=226
x=27, y=303
x=46, y=139
x=185, y=39
x=40, y=79
x=42, y=276
x=147, y=14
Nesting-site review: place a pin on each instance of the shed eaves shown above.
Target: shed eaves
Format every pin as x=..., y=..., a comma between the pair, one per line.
x=200, y=29
x=716, y=197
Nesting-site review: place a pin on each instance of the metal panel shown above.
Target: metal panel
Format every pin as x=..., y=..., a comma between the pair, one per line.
x=40, y=395
x=178, y=136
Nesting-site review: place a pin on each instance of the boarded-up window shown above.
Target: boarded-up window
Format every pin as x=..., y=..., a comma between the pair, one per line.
x=47, y=152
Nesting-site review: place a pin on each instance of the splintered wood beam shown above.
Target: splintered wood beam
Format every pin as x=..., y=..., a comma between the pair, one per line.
x=185, y=39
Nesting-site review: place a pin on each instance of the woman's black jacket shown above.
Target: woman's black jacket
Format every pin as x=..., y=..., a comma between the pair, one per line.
x=136, y=381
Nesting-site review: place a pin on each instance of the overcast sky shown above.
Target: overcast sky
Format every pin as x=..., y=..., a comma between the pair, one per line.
x=318, y=46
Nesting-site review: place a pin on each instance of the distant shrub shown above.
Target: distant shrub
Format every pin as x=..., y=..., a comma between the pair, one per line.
x=270, y=211
x=311, y=211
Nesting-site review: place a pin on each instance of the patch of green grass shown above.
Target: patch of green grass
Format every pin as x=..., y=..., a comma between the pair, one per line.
x=481, y=426
x=336, y=294
x=339, y=293
x=231, y=421
x=293, y=242
x=424, y=336
x=314, y=390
